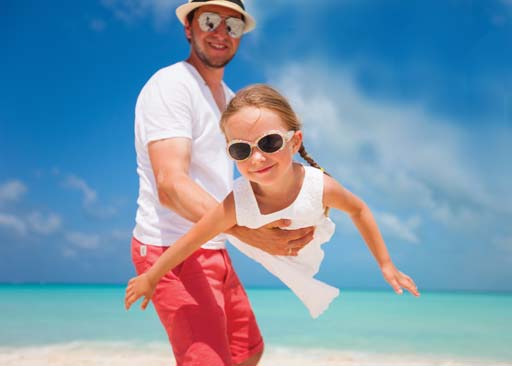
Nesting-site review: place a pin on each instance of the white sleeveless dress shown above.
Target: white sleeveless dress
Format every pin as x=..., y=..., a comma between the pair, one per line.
x=307, y=210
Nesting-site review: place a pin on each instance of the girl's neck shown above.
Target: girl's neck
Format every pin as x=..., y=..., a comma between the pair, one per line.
x=283, y=192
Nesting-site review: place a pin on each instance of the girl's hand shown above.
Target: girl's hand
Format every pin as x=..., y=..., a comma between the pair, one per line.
x=137, y=287
x=397, y=280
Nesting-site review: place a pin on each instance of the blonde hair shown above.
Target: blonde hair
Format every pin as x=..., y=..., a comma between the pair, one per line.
x=263, y=96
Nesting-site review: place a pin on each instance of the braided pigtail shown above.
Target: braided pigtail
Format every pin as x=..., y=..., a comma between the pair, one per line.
x=304, y=154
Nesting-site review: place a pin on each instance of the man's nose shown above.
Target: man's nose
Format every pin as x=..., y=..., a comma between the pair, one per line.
x=222, y=29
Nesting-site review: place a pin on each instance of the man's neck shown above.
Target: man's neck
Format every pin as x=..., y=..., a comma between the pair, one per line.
x=211, y=76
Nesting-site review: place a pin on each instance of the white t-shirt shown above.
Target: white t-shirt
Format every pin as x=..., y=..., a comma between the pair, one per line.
x=176, y=102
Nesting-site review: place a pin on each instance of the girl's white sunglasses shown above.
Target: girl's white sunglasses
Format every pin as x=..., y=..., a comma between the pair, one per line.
x=271, y=142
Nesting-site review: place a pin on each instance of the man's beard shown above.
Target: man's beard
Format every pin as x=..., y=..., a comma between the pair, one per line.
x=208, y=62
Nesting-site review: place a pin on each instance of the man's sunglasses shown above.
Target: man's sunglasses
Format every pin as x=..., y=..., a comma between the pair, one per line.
x=209, y=21
x=271, y=142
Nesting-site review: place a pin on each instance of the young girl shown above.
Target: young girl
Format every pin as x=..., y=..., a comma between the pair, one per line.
x=263, y=134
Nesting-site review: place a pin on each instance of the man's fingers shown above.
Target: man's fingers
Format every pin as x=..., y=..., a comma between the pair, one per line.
x=289, y=252
x=145, y=303
x=279, y=223
x=299, y=239
x=284, y=242
x=292, y=241
x=300, y=233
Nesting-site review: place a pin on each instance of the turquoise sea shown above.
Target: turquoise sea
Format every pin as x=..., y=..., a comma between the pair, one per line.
x=87, y=325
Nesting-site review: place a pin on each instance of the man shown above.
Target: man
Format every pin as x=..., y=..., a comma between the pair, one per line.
x=184, y=172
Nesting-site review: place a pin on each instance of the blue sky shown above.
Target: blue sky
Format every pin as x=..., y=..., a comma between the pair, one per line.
x=408, y=104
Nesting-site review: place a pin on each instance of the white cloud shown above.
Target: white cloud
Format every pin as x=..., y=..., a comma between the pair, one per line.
x=36, y=223
x=82, y=240
x=392, y=151
x=12, y=190
x=89, y=195
x=162, y=12
x=89, y=198
x=392, y=225
x=131, y=11
x=44, y=225
x=102, y=212
x=13, y=223
x=261, y=12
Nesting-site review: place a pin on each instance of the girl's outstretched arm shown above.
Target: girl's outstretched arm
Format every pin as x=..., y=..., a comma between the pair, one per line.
x=335, y=195
x=216, y=221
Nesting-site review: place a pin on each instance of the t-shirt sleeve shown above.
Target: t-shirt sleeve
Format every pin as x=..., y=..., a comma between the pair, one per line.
x=164, y=110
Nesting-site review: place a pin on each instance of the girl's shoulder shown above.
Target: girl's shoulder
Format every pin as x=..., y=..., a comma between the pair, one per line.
x=330, y=183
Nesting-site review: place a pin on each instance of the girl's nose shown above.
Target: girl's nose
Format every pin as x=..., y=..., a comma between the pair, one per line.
x=257, y=156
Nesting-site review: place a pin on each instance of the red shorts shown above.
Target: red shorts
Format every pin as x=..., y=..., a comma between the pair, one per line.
x=203, y=307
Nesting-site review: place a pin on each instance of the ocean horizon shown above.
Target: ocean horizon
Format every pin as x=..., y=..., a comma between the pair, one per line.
x=75, y=324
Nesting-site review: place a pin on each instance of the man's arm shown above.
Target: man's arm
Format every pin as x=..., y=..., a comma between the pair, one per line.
x=170, y=160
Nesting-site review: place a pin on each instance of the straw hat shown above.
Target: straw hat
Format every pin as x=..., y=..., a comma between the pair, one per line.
x=237, y=5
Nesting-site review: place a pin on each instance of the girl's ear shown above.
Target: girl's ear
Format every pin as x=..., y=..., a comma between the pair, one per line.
x=297, y=141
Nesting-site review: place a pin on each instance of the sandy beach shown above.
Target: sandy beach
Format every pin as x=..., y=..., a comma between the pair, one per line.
x=159, y=354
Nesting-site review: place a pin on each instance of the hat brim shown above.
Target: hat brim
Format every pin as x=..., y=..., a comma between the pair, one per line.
x=183, y=10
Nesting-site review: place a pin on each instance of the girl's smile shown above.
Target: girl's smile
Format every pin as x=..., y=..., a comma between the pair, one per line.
x=264, y=170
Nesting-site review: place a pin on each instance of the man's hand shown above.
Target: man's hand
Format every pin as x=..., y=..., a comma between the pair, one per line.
x=274, y=240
